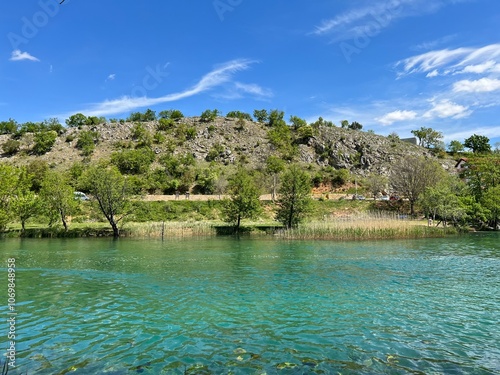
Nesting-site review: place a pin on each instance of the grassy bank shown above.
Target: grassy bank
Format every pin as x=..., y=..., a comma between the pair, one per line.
x=366, y=226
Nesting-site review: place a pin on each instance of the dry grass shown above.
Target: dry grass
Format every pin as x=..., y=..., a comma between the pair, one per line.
x=366, y=226
x=170, y=229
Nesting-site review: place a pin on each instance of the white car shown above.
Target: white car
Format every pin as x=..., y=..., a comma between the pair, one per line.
x=81, y=196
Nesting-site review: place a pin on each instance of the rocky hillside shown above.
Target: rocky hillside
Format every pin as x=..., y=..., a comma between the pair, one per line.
x=227, y=141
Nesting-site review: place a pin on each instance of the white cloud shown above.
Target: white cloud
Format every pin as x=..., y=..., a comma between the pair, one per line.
x=455, y=60
x=392, y=117
x=370, y=20
x=17, y=55
x=489, y=66
x=480, y=85
x=253, y=89
x=111, y=77
x=447, y=108
x=434, y=43
x=220, y=75
x=434, y=73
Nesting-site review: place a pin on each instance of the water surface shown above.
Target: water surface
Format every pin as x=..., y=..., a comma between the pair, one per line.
x=221, y=306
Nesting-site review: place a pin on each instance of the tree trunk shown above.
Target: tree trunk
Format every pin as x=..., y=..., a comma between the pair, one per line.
x=65, y=224
x=116, y=231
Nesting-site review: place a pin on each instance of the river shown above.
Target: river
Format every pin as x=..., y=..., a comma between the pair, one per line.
x=246, y=306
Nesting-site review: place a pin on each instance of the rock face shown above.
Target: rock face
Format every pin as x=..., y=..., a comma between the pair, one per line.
x=229, y=141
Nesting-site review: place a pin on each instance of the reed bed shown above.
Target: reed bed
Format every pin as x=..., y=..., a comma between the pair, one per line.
x=170, y=229
x=365, y=226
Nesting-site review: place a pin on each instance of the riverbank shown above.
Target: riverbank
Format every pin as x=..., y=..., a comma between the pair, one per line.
x=338, y=229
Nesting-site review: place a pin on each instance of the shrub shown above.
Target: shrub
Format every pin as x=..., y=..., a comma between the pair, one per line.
x=77, y=120
x=165, y=124
x=171, y=114
x=87, y=141
x=133, y=161
x=8, y=127
x=214, y=152
x=239, y=115
x=44, y=141
x=11, y=147
x=209, y=115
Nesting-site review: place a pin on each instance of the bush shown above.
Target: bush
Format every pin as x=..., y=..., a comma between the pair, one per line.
x=44, y=141
x=214, y=152
x=133, y=161
x=209, y=115
x=148, y=115
x=11, y=147
x=76, y=121
x=8, y=127
x=87, y=141
x=165, y=124
x=171, y=114
x=239, y=115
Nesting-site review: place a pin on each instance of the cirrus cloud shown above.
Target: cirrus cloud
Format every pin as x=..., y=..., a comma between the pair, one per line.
x=17, y=55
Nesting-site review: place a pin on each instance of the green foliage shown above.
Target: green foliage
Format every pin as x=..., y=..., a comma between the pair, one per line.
x=304, y=133
x=478, y=143
x=8, y=127
x=109, y=192
x=209, y=115
x=491, y=202
x=58, y=198
x=77, y=120
x=86, y=142
x=171, y=114
x=276, y=118
x=261, y=115
x=141, y=135
x=11, y=147
x=355, y=126
x=36, y=170
x=147, y=116
x=294, y=197
x=322, y=123
x=456, y=147
x=297, y=122
x=135, y=161
x=428, y=137
x=44, y=141
x=159, y=138
x=9, y=177
x=344, y=124
x=165, y=124
x=280, y=136
x=214, y=153
x=239, y=115
x=244, y=202
x=206, y=180
x=443, y=200
x=25, y=203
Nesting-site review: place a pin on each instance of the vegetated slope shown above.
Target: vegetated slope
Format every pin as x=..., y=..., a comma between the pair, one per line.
x=228, y=141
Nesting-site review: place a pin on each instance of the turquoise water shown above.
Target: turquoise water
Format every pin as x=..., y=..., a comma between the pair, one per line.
x=222, y=306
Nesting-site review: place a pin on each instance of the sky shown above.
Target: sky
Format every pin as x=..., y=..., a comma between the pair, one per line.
x=391, y=65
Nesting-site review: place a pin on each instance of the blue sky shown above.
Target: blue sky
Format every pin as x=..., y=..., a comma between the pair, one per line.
x=391, y=65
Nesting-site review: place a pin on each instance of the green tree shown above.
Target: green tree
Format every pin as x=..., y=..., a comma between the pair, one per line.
x=428, y=137
x=86, y=142
x=456, y=147
x=261, y=115
x=9, y=176
x=411, y=175
x=355, y=126
x=491, y=202
x=11, y=147
x=244, y=201
x=239, y=115
x=8, y=127
x=77, y=120
x=58, y=198
x=109, y=192
x=297, y=122
x=44, y=141
x=171, y=114
x=276, y=118
x=209, y=115
x=25, y=203
x=294, y=201
x=322, y=123
x=344, y=124
x=135, y=161
x=478, y=143
x=37, y=170
x=274, y=166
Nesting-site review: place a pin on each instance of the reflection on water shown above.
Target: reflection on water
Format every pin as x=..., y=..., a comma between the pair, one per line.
x=217, y=306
